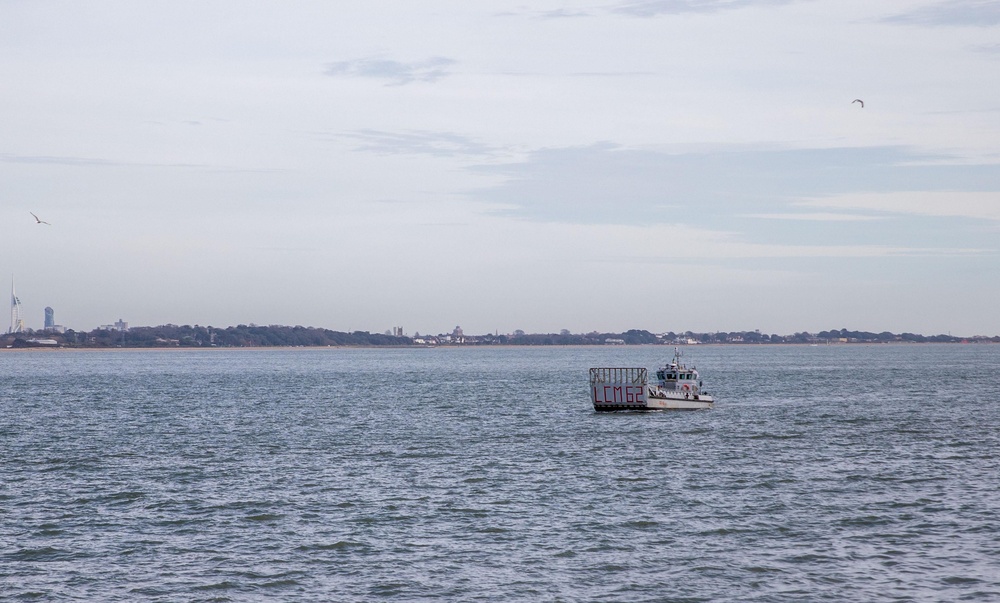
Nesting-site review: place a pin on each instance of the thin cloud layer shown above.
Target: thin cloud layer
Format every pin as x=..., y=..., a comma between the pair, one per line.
x=392, y=72
x=879, y=202
x=50, y=160
x=607, y=184
x=815, y=217
x=653, y=8
x=565, y=13
x=963, y=13
x=980, y=206
x=108, y=163
x=437, y=144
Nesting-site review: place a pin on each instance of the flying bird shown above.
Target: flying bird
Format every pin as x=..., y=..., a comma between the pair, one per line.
x=37, y=219
x=858, y=100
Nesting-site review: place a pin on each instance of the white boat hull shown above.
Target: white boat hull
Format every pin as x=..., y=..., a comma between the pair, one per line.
x=663, y=400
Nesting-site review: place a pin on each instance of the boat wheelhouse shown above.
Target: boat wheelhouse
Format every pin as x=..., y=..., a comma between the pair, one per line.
x=675, y=377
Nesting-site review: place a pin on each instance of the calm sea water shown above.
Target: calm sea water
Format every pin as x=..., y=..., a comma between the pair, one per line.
x=832, y=473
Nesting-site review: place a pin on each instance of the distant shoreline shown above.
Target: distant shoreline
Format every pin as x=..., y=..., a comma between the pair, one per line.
x=468, y=347
x=280, y=336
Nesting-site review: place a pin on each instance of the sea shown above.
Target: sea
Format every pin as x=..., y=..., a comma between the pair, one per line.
x=824, y=473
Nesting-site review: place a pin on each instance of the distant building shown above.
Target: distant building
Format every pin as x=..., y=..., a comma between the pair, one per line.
x=121, y=325
x=50, y=321
x=16, y=322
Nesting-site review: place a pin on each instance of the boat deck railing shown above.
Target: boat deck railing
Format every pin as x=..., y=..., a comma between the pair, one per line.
x=634, y=376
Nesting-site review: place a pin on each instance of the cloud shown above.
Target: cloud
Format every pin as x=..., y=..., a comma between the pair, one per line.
x=940, y=204
x=54, y=160
x=419, y=142
x=975, y=13
x=564, y=13
x=881, y=201
x=673, y=243
x=815, y=217
x=606, y=184
x=849, y=251
x=653, y=8
x=394, y=72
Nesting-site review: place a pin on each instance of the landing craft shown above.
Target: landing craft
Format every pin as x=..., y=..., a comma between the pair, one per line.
x=677, y=388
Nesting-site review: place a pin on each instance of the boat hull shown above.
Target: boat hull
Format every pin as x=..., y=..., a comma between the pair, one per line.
x=672, y=403
x=660, y=400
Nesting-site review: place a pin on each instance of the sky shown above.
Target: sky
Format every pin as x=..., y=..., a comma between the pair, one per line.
x=667, y=165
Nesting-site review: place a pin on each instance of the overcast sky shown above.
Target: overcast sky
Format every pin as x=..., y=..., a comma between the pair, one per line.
x=653, y=164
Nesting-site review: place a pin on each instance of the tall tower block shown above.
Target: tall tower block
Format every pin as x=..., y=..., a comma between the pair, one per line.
x=16, y=321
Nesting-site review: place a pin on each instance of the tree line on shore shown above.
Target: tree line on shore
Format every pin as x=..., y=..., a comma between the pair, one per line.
x=285, y=336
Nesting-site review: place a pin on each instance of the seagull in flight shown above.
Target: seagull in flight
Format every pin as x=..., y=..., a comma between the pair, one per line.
x=858, y=100
x=37, y=219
